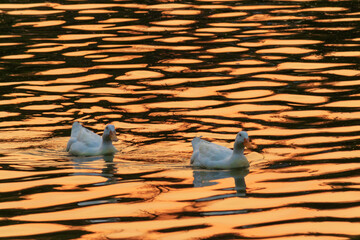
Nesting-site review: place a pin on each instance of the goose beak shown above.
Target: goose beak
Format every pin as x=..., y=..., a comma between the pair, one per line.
x=247, y=143
x=113, y=136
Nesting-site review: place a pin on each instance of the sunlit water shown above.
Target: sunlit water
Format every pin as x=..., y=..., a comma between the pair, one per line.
x=164, y=72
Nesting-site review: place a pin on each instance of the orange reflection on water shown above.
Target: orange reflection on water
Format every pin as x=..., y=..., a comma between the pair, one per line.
x=181, y=61
x=227, y=49
x=305, y=65
x=283, y=77
x=34, y=12
x=139, y=74
x=41, y=24
x=19, y=56
x=182, y=12
x=176, y=39
x=29, y=229
x=286, y=50
x=41, y=107
x=174, y=22
x=132, y=38
x=269, y=42
x=228, y=15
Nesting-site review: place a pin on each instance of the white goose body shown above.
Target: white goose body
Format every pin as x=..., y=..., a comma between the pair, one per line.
x=212, y=156
x=84, y=142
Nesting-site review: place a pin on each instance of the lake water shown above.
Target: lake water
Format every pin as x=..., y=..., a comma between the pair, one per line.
x=164, y=72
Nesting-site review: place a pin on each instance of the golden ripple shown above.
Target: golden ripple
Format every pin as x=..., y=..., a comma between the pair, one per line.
x=71, y=37
x=313, y=65
x=242, y=71
x=268, y=17
x=176, y=39
x=19, y=56
x=118, y=59
x=333, y=155
x=174, y=22
x=41, y=107
x=96, y=11
x=29, y=229
x=221, y=40
x=232, y=24
x=44, y=121
x=344, y=54
x=48, y=49
x=9, y=44
x=95, y=56
x=346, y=83
x=171, y=68
x=9, y=36
x=83, y=6
x=318, y=140
x=269, y=42
x=168, y=6
x=183, y=12
x=212, y=6
x=220, y=90
x=62, y=71
x=34, y=12
x=296, y=98
x=313, y=57
x=20, y=98
x=315, y=130
x=217, y=29
x=84, y=18
x=184, y=104
x=140, y=74
x=47, y=199
x=343, y=72
x=343, y=104
x=273, y=57
x=244, y=62
x=57, y=88
x=228, y=15
x=227, y=49
x=8, y=114
x=260, y=7
x=92, y=27
x=236, y=110
x=181, y=61
x=176, y=81
x=120, y=66
x=41, y=24
x=107, y=98
x=104, y=90
x=144, y=28
x=287, y=50
x=132, y=38
x=314, y=9
x=21, y=5
x=118, y=20
x=338, y=20
x=248, y=94
x=68, y=182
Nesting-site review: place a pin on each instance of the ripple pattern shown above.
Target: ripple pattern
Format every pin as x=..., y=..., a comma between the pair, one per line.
x=164, y=72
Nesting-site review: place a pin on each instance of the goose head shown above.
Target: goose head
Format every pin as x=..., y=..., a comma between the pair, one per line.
x=110, y=133
x=241, y=140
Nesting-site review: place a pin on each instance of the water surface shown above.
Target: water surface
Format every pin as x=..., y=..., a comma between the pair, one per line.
x=164, y=72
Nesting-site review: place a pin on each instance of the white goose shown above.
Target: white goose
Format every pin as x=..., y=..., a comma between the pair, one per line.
x=84, y=142
x=212, y=156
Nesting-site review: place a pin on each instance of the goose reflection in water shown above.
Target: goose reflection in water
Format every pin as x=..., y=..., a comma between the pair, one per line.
x=203, y=178
x=108, y=170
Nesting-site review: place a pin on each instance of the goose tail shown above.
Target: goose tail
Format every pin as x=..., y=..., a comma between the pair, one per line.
x=196, y=142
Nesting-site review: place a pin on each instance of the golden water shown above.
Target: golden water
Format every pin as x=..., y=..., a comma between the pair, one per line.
x=164, y=72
